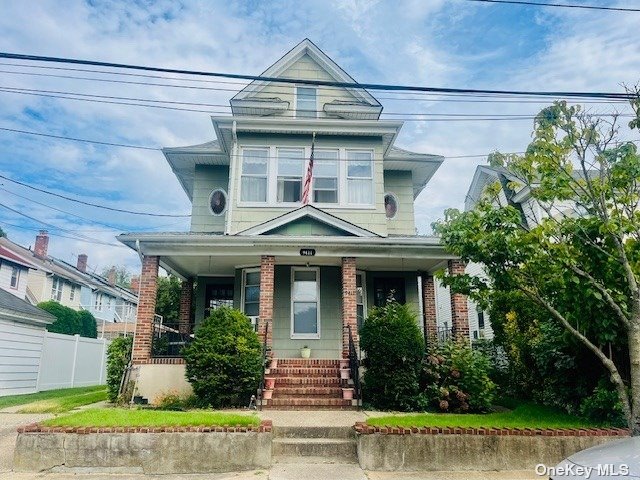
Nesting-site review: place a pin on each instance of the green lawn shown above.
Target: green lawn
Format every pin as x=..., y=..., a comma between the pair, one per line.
x=122, y=417
x=526, y=415
x=55, y=401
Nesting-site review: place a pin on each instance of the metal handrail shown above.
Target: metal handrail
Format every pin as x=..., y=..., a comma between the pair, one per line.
x=354, y=367
x=264, y=366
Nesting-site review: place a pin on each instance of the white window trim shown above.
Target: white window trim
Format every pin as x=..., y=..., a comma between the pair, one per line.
x=338, y=176
x=305, y=166
x=17, y=285
x=295, y=101
x=305, y=336
x=272, y=179
x=253, y=318
x=72, y=293
x=226, y=200
x=57, y=286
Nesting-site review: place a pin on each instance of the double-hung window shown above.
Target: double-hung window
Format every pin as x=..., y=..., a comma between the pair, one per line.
x=56, y=289
x=305, y=303
x=361, y=309
x=255, y=174
x=15, y=277
x=306, y=102
x=291, y=163
x=72, y=293
x=325, y=176
x=251, y=294
x=359, y=177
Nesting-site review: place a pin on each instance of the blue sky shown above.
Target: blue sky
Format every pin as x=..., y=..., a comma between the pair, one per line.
x=449, y=43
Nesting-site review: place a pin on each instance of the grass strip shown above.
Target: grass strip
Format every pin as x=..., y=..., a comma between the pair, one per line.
x=15, y=400
x=122, y=417
x=527, y=415
x=64, y=404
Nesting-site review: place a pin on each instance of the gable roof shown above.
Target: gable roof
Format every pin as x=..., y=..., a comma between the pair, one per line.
x=16, y=309
x=308, y=211
x=6, y=254
x=483, y=176
x=307, y=47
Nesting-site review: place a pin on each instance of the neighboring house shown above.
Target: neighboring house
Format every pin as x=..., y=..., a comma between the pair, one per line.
x=22, y=331
x=14, y=272
x=306, y=274
x=50, y=278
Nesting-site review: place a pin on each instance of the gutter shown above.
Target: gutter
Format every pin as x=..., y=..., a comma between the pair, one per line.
x=232, y=178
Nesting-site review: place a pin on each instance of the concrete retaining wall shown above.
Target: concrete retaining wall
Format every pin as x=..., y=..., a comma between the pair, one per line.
x=151, y=453
x=467, y=452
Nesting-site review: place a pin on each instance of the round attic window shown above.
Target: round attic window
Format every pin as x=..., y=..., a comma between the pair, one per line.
x=218, y=202
x=390, y=205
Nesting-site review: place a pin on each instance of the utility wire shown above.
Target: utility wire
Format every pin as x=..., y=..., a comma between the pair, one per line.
x=563, y=5
x=424, y=97
x=263, y=78
x=113, y=209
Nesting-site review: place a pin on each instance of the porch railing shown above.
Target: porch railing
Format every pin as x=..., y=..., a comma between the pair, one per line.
x=264, y=366
x=169, y=338
x=354, y=367
x=444, y=334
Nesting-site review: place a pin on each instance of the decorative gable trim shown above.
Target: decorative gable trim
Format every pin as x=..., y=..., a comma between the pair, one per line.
x=310, y=212
x=306, y=46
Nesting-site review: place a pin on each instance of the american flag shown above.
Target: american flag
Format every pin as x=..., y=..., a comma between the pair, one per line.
x=306, y=191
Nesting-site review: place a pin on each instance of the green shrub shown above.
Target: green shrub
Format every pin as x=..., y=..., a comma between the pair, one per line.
x=456, y=378
x=394, y=348
x=174, y=400
x=118, y=357
x=603, y=406
x=224, y=361
x=67, y=321
x=88, y=324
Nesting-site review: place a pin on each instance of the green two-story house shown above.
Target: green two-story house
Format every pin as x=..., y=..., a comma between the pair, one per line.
x=305, y=274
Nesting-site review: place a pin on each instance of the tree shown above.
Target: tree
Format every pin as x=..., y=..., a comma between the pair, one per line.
x=89, y=327
x=123, y=275
x=2, y=233
x=67, y=321
x=580, y=263
x=168, y=298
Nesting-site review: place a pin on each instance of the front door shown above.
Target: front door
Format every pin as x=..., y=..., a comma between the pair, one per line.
x=218, y=295
x=388, y=288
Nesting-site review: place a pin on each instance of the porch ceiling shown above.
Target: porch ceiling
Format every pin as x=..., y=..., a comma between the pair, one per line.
x=194, y=254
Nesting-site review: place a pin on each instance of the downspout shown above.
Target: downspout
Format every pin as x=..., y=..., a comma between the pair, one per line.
x=232, y=178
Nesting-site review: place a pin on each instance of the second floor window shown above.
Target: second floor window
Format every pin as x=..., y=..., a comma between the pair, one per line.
x=255, y=175
x=306, y=104
x=72, y=294
x=15, y=277
x=325, y=176
x=359, y=177
x=56, y=289
x=291, y=164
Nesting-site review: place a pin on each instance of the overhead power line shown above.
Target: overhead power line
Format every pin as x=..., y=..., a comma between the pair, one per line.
x=353, y=85
x=83, y=140
x=562, y=5
x=71, y=199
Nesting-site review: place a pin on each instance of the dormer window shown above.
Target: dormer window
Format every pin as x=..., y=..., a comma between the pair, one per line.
x=306, y=102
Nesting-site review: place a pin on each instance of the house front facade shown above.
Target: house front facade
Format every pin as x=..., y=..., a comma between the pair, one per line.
x=304, y=263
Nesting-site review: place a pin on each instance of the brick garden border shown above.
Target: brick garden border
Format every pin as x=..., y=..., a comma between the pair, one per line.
x=265, y=426
x=364, y=429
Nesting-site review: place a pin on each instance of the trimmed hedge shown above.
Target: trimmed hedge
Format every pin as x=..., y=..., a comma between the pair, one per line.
x=70, y=321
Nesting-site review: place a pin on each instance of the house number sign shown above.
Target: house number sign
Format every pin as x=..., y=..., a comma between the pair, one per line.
x=307, y=252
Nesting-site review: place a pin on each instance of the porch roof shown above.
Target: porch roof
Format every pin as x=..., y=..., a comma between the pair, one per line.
x=189, y=254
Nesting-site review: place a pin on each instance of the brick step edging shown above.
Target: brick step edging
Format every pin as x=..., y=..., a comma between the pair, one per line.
x=364, y=429
x=265, y=426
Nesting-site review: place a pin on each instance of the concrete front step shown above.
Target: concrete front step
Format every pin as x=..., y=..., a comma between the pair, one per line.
x=342, y=448
x=314, y=432
x=308, y=402
x=267, y=406
x=307, y=362
x=313, y=391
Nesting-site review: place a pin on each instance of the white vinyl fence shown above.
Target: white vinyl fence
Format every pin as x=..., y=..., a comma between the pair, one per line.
x=71, y=361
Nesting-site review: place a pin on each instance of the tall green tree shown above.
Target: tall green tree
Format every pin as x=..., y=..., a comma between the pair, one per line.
x=168, y=298
x=579, y=260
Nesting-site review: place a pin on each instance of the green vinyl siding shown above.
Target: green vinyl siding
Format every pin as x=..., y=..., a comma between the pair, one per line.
x=400, y=183
x=329, y=345
x=208, y=178
x=307, y=227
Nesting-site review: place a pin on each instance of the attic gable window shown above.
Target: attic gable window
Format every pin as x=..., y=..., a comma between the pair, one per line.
x=306, y=102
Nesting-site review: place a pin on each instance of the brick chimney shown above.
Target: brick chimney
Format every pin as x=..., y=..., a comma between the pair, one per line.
x=111, y=276
x=135, y=284
x=42, y=244
x=82, y=262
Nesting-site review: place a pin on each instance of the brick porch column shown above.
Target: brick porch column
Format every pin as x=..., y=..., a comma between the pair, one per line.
x=146, y=310
x=429, y=308
x=459, y=309
x=349, y=305
x=186, y=295
x=265, y=312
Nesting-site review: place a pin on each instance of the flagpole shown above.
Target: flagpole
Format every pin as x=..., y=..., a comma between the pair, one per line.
x=306, y=191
